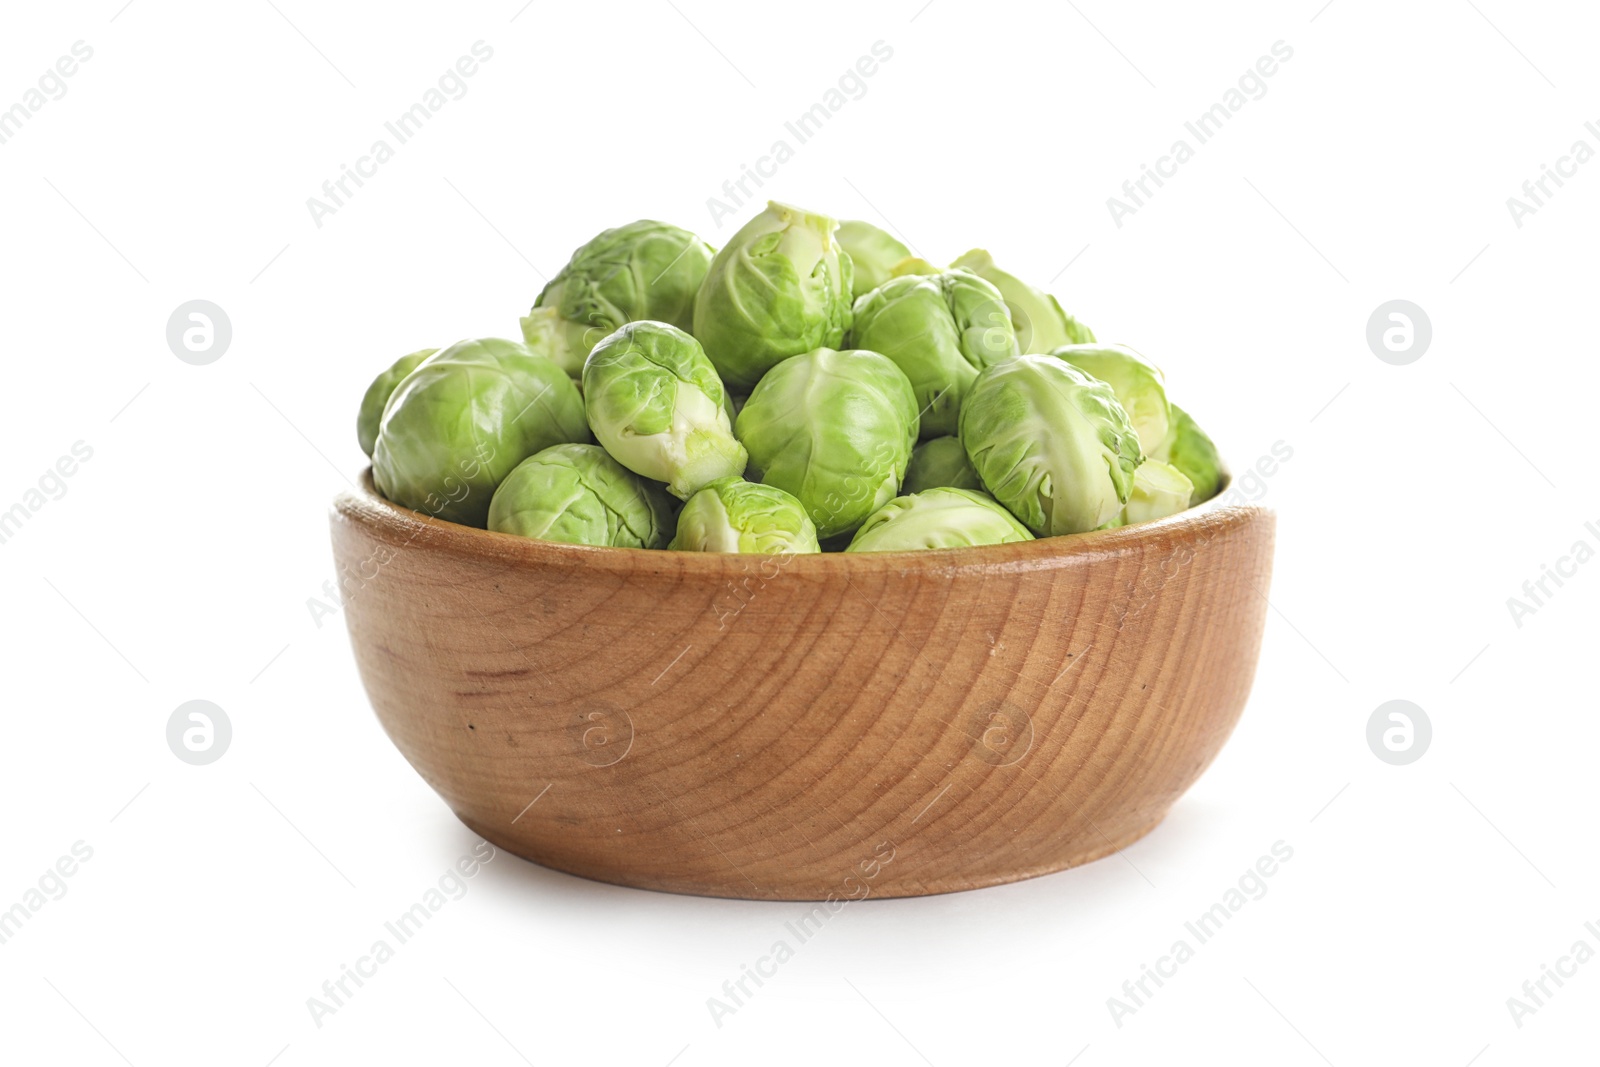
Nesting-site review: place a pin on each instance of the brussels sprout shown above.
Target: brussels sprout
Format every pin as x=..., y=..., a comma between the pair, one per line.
x=1077, y=332
x=580, y=495
x=657, y=405
x=940, y=329
x=913, y=265
x=462, y=420
x=1140, y=387
x=938, y=518
x=378, y=393
x=733, y=515
x=1189, y=449
x=1040, y=323
x=939, y=463
x=545, y=333
x=835, y=429
x=1159, y=490
x=872, y=253
x=1051, y=443
x=644, y=270
x=780, y=287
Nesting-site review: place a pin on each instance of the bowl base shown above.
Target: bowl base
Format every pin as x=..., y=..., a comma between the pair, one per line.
x=884, y=888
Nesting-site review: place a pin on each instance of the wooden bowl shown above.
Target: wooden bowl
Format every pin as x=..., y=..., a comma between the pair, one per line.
x=808, y=727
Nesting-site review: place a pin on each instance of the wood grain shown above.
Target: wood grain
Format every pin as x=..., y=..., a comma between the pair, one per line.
x=889, y=724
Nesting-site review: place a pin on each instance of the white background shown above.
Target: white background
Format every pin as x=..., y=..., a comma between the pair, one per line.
x=180, y=561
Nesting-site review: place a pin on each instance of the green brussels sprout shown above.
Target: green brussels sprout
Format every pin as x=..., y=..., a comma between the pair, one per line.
x=781, y=286
x=941, y=329
x=657, y=405
x=580, y=495
x=939, y=463
x=938, y=518
x=733, y=515
x=378, y=393
x=1159, y=490
x=834, y=429
x=913, y=265
x=462, y=420
x=1039, y=321
x=545, y=333
x=644, y=270
x=1140, y=387
x=1077, y=332
x=1189, y=449
x=872, y=253
x=1051, y=443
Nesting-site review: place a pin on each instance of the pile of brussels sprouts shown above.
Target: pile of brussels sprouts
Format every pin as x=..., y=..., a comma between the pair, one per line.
x=811, y=386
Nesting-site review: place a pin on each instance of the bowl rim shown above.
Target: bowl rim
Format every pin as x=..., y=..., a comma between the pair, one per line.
x=395, y=524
